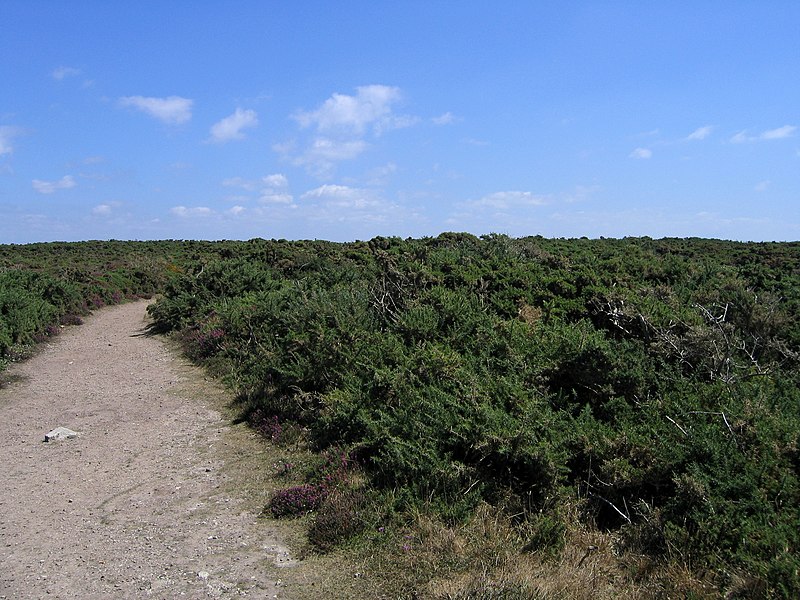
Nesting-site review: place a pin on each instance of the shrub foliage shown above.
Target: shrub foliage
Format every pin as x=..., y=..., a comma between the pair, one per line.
x=654, y=383
x=650, y=384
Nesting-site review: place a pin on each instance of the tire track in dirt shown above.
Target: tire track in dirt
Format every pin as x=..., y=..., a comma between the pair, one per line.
x=144, y=503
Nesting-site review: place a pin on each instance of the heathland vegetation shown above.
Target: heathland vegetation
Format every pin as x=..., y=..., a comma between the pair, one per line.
x=491, y=417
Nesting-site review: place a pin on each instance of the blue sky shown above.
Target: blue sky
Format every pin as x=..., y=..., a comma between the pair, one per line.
x=347, y=120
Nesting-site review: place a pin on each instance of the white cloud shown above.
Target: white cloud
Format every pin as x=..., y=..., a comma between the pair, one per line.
x=236, y=210
x=230, y=128
x=741, y=137
x=274, y=190
x=333, y=204
x=102, y=210
x=172, y=110
x=499, y=211
x=372, y=105
x=641, y=153
x=48, y=187
x=581, y=193
x=239, y=182
x=62, y=73
x=505, y=200
x=380, y=175
x=7, y=135
x=323, y=153
x=326, y=149
x=342, y=196
x=770, y=134
x=340, y=125
x=700, y=133
x=271, y=197
x=276, y=180
x=762, y=186
x=446, y=119
x=106, y=209
x=330, y=190
x=779, y=133
x=187, y=212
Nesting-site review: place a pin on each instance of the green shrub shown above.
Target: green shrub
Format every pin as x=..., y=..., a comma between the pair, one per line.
x=653, y=382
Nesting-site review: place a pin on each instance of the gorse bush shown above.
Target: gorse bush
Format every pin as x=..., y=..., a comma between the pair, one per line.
x=650, y=384
x=43, y=286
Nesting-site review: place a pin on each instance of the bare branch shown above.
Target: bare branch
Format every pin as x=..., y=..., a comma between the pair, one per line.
x=671, y=420
x=611, y=504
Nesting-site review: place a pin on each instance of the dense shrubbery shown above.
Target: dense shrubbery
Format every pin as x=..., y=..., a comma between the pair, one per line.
x=649, y=386
x=43, y=286
x=652, y=384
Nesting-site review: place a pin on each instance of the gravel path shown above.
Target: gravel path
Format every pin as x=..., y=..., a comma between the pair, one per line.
x=143, y=504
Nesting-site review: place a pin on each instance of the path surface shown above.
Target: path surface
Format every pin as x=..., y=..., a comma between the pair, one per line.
x=143, y=504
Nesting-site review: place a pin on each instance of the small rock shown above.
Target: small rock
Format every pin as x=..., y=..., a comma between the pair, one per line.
x=203, y=575
x=60, y=433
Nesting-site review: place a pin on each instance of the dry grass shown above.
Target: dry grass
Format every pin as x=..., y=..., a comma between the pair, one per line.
x=485, y=559
x=498, y=568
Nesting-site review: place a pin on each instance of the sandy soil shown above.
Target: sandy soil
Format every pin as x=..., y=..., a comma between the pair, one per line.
x=144, y=503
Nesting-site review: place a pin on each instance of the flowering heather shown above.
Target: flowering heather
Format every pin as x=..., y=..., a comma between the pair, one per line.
x=334, y=468
x=342, y=516
x=71, y=319
x=203, y=343
x=269, y=427
x=284, y=469
x=297, y=501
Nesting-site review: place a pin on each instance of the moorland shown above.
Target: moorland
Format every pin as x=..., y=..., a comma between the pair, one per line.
x=488, y=417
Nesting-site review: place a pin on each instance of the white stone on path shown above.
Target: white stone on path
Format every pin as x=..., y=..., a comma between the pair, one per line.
x=60, y=433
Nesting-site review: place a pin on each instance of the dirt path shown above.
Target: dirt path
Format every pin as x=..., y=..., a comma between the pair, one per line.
x=144, y=503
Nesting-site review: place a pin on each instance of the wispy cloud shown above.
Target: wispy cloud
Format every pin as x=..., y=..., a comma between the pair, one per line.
x=741, y=137
x=323, y=153
x=379, y=176
x=107, y=209
x=338, y=193
x=240, y=182
x=62, y=73
x=186, y=212
x=762, y=186
x=230, y=128
x=506, y=200
x=503, y=210
x=445, y=119
x=172, y=110
x=341, y=203
x=272, y=189
x=102, y=210
x=779, y=133
x=328, y=150
x=7, y=135
x=48, y=187
x=700, y=133
x=641, y=153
